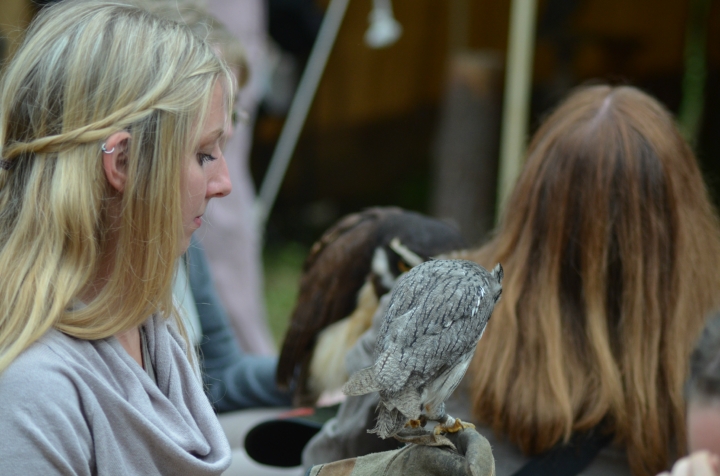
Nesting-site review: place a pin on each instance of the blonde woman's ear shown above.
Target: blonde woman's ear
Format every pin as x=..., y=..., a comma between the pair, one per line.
x=114, y=156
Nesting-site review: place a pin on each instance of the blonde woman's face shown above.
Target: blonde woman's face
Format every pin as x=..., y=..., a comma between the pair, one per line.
x=205, y=175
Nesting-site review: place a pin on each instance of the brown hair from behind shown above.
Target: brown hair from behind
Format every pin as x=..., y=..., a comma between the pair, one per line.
x=611, y=249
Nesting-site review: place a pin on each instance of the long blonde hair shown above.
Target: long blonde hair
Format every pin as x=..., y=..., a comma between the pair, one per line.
x=611, y=251
x=85, y=71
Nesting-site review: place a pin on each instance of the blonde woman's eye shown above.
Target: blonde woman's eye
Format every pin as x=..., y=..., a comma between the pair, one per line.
x=205, y=158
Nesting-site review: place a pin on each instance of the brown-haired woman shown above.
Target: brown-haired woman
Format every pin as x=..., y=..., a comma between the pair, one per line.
x=611, y=251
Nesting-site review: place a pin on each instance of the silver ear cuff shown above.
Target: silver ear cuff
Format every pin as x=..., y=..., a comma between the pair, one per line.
x=107, y=151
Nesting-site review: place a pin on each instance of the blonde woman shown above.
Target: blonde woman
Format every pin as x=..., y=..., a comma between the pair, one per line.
x=112, y=123
x=611, y=251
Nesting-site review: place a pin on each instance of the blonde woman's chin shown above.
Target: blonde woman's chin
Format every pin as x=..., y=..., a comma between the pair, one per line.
x=185, y=243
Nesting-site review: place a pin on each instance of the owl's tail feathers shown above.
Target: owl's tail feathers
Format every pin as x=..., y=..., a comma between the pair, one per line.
x=389, y=422
x=362, y=382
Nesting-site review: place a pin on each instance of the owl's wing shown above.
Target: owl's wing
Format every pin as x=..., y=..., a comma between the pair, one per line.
x=436, y=330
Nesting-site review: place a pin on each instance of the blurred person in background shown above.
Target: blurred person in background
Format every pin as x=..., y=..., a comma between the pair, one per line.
x=277, y=36
x=241, y=386
x=232, y=240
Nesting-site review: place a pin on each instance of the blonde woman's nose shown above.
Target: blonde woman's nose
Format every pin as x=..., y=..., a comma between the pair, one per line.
x=219, y=184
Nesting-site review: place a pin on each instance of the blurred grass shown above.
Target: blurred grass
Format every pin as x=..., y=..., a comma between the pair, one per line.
x=282, y=266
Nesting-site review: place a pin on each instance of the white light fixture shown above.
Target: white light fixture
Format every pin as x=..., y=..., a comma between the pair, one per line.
x=384, y=30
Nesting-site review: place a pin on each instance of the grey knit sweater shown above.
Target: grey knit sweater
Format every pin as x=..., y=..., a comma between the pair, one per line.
x=77, y=407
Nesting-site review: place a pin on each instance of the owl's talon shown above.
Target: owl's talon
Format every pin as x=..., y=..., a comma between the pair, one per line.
x=414, y=424
x=454, y=428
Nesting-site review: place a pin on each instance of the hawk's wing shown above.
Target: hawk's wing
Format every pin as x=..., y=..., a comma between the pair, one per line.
x=333, y=273
x=336, y=269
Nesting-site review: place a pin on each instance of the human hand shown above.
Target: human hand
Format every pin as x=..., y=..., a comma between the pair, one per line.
x=700, y=463
x=473, y=457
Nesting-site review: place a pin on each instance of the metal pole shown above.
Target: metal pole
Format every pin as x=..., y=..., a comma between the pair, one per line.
x=298, y=110
x=516, y=103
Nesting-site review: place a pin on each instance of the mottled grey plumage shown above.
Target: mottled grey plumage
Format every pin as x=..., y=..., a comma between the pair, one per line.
x=436, y=316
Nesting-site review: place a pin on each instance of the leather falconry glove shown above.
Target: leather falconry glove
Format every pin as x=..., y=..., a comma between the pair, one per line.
x=471, y=456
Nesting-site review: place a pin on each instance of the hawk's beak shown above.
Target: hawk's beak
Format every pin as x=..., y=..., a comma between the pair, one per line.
x=410, y=258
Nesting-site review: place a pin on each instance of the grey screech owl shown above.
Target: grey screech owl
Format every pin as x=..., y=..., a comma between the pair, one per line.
x=434, y=320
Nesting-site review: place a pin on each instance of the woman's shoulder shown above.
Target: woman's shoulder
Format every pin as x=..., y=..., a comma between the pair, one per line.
x=40, y=391
x=62, y=369
x=45, y=368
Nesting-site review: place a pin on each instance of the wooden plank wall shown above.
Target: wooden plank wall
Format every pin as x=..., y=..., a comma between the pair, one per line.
x=14, y=17
x=370, y=134
x=617, y=39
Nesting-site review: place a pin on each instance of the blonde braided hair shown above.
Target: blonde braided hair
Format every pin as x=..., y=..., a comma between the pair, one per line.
x=85, y=71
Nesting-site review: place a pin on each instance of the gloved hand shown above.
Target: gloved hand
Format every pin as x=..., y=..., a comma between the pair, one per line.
x=472, y=458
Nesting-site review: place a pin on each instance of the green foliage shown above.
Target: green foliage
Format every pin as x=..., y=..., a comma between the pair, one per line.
x=283, y=266
x=693, y=99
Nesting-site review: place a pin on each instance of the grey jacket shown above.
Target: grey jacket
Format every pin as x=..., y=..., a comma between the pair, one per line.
x=78, y=407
